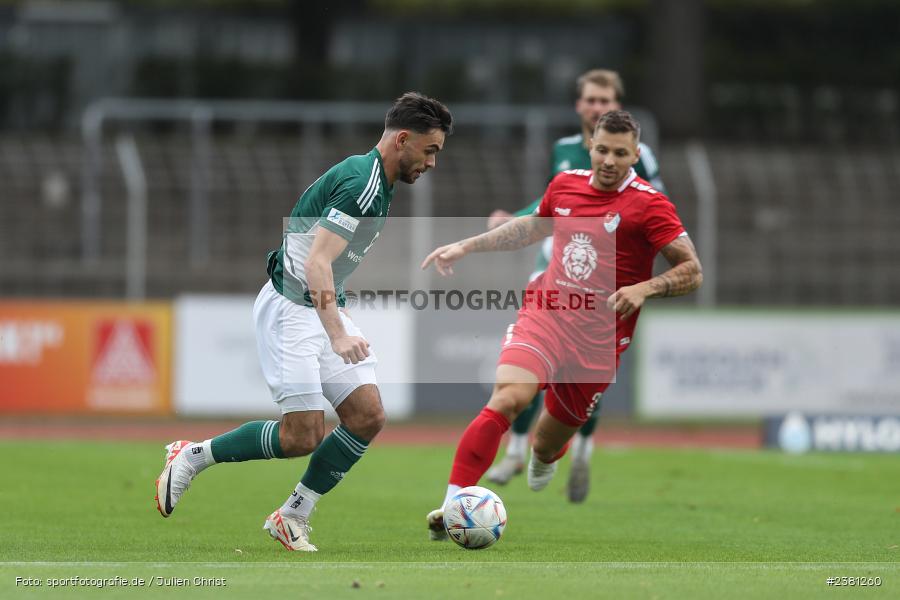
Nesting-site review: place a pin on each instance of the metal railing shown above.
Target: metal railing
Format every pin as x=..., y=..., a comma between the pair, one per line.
x=535, y=121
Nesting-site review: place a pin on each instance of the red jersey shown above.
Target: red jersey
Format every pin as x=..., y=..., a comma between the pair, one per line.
x=601, y=241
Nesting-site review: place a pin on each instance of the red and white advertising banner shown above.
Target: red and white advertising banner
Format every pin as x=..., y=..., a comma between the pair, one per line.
x=85, y=357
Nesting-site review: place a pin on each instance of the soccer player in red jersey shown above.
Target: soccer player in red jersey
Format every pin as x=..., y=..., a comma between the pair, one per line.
x=607, y=226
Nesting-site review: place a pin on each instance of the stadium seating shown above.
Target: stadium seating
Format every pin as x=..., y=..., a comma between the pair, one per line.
x=796, y=224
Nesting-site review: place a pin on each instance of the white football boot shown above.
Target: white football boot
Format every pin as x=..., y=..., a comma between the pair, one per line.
x=435, y=520
x=175, y=478
x=292, y=532
x=540, y=473
x=579, y=483
x=508, y=467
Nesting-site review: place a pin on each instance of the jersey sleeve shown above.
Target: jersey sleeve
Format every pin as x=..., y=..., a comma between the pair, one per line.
x=343, y=211
x=661, y=223
x=545, y=205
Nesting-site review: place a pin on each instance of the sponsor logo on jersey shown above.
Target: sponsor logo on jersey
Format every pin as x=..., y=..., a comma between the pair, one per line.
x=372, y=243
x=563, y=211
x=579, y=257
x=611, y=221
x=357, y=258
x=342, y=219
x=564, y=165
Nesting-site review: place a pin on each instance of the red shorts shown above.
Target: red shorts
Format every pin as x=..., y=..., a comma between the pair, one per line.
x=574, y=382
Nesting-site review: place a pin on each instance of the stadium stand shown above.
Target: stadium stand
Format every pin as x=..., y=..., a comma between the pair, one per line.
x=797, y=224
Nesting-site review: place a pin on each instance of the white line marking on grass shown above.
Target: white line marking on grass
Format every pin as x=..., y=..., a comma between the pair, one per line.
x=465, y=564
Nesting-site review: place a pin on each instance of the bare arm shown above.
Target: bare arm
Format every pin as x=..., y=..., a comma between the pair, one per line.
x=512, y=235
x=326, y=248
x=685, y=276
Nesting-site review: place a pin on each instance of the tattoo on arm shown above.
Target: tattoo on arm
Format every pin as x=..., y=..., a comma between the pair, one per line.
x=686, y=274
x=513, y=234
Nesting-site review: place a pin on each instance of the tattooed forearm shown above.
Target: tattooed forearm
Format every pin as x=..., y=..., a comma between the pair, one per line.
x=512, y=235
x=677, y=281
x=684, y=277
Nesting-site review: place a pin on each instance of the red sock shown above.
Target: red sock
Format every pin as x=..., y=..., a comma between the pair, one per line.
x=478, y=447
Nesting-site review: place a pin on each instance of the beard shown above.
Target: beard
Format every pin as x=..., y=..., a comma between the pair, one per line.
x=407, y=171
x=609, y=178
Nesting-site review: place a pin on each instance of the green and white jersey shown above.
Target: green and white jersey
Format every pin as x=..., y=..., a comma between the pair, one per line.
x=569, y=153
x=351, y=199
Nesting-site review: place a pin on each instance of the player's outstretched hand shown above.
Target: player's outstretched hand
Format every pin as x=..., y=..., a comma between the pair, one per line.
x=627, y=300
x=444, y=257
x=352, y=349
x=498, y=218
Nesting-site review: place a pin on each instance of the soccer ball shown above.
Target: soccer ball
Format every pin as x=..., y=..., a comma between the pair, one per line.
x=475, y=517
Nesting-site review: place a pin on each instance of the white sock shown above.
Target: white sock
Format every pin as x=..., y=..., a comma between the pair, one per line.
x=518, y=444
x=582, y=447
x=451, y=491
x=200, y=455
x=301, y=502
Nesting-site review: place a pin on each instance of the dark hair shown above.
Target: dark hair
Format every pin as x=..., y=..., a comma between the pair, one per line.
x=619, y=121
x=418, y=113
x=602, y=78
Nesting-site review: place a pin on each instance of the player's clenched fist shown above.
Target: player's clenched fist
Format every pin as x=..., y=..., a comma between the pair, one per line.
x=627, y=300
x=351, y=349
x=444, y=257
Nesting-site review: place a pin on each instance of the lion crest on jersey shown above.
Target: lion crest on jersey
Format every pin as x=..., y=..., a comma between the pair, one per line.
x=579, y=257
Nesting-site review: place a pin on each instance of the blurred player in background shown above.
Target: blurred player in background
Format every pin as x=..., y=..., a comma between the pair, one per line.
x=310, y=351
x=603, y=217
x=599, y=91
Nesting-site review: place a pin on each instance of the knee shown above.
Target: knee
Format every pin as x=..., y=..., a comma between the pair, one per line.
x=509, y=400
x=366, y=423
x=299, y=443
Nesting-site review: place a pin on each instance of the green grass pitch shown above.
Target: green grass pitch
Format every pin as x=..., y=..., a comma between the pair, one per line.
x=658, y=524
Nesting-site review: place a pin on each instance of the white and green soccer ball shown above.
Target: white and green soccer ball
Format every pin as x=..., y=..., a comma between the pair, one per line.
x=475, y=517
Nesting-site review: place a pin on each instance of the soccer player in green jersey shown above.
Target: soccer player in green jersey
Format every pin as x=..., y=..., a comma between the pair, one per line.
x=310, y=351
x=598, y=92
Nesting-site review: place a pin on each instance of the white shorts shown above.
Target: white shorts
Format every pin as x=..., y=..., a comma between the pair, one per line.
x=295, y=354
